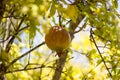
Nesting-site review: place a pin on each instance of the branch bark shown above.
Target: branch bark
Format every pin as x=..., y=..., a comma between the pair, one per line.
x=60, y=64
x=2, y=71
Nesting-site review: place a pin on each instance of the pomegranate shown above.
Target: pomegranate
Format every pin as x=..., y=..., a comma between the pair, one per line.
x=58, y=39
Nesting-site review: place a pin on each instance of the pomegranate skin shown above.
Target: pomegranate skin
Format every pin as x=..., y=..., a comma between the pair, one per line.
x=58, y=39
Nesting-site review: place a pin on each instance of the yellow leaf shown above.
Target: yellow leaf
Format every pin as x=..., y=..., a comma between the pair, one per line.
x=71, y=12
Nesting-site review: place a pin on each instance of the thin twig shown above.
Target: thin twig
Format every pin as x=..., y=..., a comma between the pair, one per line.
x=18, y=31
x=81, y=28
x=15, y=60
x=5, y=39
x=15, y=17
x=68, y=22
x=26, y=69
x=24, y=28
x=12, y=24
x=91, y=35
x=60, y=23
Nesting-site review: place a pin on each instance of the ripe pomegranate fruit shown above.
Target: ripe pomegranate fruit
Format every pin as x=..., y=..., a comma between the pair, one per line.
x=58, y=39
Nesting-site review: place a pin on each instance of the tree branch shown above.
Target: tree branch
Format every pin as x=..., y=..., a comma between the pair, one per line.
x=15, y=60
x=26, y=69
x=91, y=35
x=8, y=46
x=60, y=64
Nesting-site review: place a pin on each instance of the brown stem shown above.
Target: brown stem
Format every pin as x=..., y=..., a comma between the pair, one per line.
x=60, y=64
x=91, y=35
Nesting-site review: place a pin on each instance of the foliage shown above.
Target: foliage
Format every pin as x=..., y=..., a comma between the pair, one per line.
x=93, y=25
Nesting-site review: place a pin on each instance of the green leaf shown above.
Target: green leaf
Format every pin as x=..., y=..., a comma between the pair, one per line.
x=115, y=3
x=4, y=57
x=32, y=30
x=71, y=12
x=52, y=10
x=18, y=37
